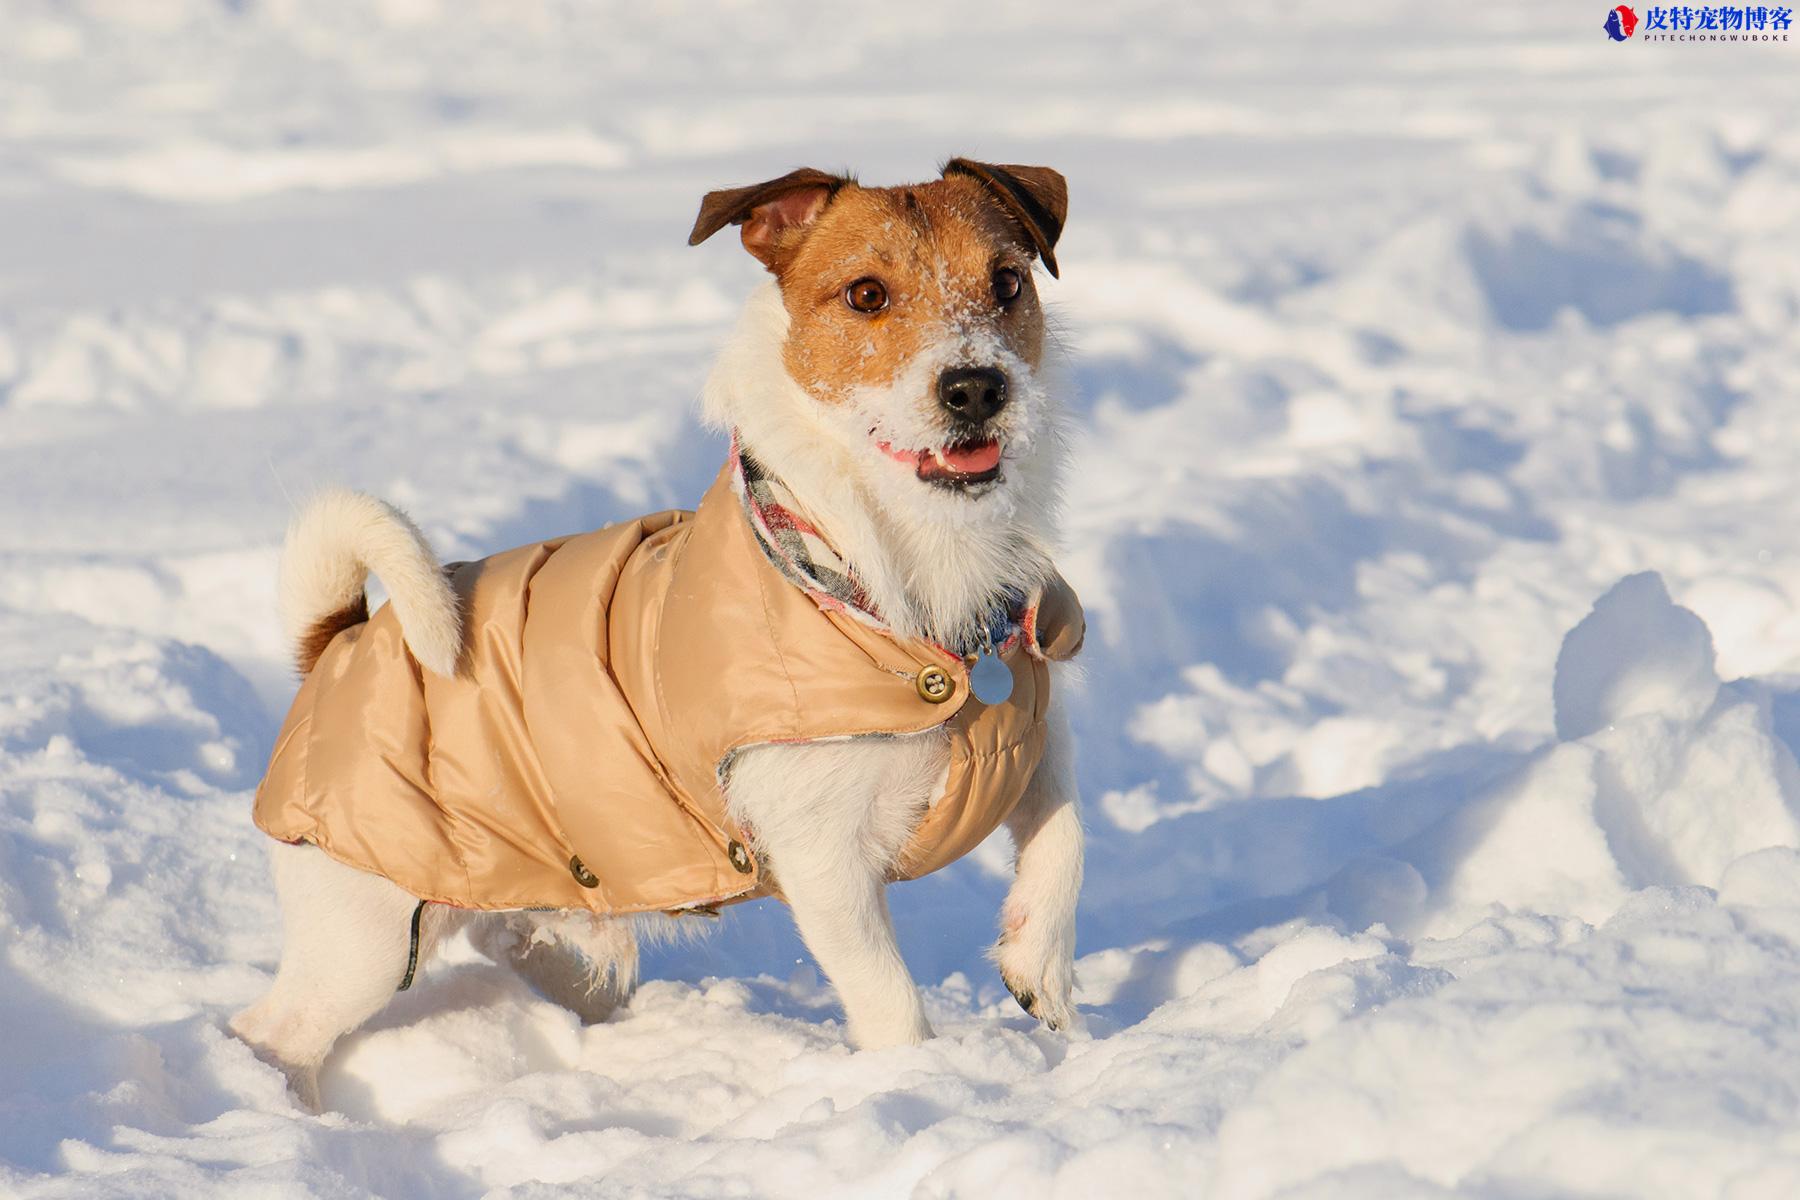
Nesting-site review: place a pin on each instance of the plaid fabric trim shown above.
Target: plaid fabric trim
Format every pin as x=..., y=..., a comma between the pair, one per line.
x=800, y=552
x=795, y=545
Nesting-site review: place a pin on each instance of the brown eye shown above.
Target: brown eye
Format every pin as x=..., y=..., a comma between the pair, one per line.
x=866, y=295
x=1007, y=285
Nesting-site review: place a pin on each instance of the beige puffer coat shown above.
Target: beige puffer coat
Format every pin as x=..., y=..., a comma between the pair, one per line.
x=606, y=680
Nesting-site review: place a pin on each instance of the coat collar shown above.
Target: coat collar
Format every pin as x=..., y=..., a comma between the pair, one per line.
x=794, y=545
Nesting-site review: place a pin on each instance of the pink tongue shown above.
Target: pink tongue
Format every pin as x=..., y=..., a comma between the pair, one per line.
x=973, y=460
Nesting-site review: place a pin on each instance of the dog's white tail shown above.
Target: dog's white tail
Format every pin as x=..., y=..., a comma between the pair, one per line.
x=338, y=538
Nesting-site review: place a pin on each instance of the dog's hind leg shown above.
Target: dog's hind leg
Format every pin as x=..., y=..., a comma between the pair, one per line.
x=1036, y=951
x=586, y=963
x=347, y=936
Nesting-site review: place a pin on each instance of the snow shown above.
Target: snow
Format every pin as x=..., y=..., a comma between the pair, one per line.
x=1433, y=504
x=1637, y=652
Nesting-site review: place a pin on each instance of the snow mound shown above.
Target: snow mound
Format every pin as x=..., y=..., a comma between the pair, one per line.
x=1636, y=652
x=1665, y=778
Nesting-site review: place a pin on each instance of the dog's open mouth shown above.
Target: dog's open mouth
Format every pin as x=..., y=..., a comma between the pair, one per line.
x=956, y=466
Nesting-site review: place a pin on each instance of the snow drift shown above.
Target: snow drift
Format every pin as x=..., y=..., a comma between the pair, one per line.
x=1433, y=503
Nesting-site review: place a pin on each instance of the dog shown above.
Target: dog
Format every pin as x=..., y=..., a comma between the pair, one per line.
x=893, y=397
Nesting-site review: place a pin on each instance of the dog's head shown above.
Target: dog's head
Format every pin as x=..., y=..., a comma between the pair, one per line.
x=913, y=329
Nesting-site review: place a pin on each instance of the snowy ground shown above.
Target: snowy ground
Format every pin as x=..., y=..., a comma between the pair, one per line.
x=1403, y=333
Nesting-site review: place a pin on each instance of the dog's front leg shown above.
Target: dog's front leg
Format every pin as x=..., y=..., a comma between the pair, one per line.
x=843, y=915
x=1036, y=951
x=830, y=820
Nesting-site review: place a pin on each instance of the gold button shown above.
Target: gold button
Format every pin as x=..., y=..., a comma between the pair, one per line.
x=583, y=876
x=935, y=685
x=740, y=857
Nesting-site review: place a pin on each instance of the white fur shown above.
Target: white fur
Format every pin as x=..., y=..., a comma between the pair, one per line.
x=1036, y=951
x=828, y=819
x=344, y=945
x=585, y=962
x=832, y=818
x=931, y=560
x=338, y=538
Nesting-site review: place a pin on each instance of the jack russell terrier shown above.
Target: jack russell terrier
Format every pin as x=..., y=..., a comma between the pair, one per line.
x=834, y=674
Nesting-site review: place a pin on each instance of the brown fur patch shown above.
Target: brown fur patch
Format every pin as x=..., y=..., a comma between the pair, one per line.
x=935, y=248
x=312, y=645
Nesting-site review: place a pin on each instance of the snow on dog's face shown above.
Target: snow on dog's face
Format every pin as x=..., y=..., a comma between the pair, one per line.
x=913, y=323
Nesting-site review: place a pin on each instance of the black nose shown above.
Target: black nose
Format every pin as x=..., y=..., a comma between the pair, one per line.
x=972, y=394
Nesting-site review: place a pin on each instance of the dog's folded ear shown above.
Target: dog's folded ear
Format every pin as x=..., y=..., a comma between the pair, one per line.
x=1037, y=197
x=768, y=210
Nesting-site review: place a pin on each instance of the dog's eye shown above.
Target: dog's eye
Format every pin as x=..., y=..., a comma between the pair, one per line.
x=866, y=295
x=1007, y=285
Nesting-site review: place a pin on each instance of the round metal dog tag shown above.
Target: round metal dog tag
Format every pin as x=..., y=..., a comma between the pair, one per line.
x=990, y=680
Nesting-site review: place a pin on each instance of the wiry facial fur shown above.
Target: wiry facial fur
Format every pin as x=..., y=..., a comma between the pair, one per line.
x=934, y=247
x=931, y=560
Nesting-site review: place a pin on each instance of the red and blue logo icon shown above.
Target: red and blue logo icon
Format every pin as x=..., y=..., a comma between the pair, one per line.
x=1707, y=23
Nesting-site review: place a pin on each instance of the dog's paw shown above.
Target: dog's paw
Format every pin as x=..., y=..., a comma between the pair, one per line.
x=1040, y=978
x=304, y=1083
x=901, y=1030
x=1027, y=1000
